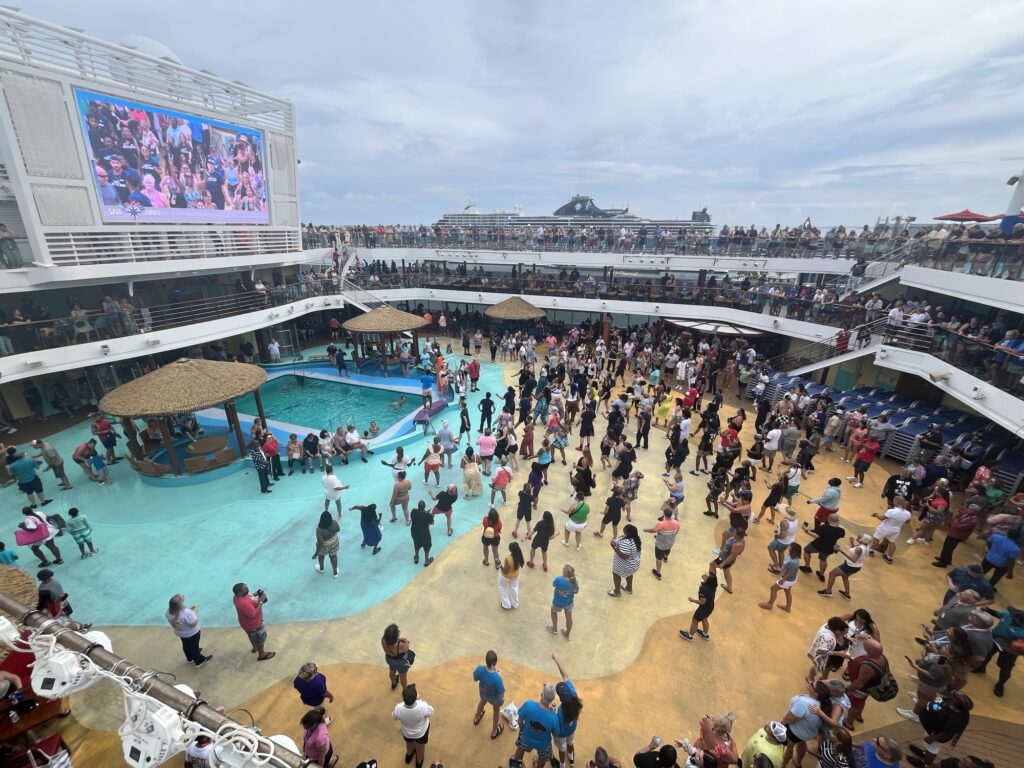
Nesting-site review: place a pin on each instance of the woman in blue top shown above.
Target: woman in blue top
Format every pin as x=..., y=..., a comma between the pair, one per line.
x=544, y=458
x=566, y=588
x=568, y=714
x=492, y=691
x=787, y=578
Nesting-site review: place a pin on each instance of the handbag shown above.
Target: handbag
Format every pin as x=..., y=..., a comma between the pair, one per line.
x=24, y=538
x=410, y=656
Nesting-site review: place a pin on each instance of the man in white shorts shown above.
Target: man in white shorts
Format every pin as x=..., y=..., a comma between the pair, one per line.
x=888, y=530
x=355, y=443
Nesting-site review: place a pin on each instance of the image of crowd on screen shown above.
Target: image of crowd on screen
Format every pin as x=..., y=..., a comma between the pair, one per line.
x=160, y=160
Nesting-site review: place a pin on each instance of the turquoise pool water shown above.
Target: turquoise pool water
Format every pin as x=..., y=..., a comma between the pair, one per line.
x=320, y=404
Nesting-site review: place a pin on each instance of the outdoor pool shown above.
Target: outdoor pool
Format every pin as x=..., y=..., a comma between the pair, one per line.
x=319, y=404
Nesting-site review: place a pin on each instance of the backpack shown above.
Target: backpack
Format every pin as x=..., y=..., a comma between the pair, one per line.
x=886, y=689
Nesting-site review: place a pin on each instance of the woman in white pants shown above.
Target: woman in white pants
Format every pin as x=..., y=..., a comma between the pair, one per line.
x=508, y=577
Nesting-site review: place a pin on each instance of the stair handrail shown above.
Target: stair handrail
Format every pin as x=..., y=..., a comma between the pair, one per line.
x=825, y=348
x=360, y=295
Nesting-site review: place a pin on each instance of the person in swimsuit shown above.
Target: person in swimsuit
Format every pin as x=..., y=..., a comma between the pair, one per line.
x=400, y=495
x=395, y=649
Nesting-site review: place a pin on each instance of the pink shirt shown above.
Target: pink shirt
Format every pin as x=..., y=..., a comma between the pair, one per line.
x=487, y=444
x=316, y=742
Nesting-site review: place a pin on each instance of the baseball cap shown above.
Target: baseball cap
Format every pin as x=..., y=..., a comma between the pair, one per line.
x=778, y=730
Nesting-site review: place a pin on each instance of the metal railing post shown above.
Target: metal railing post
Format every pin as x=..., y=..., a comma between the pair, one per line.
x=196, y=710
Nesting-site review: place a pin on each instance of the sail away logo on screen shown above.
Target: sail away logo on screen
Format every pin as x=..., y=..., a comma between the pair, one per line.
x=158, y=165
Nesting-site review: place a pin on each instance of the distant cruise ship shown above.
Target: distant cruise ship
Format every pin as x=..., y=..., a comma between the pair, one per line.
x=580, y=210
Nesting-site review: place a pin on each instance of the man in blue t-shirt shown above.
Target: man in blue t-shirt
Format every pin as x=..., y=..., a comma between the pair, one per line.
x=537, y=723
x=24, y=471
x=492, y=691
x=881, y=752
x=1000, y=557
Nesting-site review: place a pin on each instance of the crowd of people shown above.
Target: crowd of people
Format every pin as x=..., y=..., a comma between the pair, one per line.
x=159, y=160
x=643, y=377
x=608, y=399
x=958, y=246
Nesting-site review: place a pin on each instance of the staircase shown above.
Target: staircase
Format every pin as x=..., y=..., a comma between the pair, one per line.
x=360, y=297
x=879, y=271
x=819, y=354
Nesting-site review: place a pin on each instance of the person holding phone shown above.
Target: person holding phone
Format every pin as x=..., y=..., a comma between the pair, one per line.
x=249, y=607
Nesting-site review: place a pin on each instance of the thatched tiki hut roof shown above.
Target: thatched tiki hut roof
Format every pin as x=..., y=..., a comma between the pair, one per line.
x=514, y=308
x=384, y=320
x=183, y=386
x=17, y=585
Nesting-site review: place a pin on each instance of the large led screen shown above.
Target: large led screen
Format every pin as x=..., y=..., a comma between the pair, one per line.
x=153, y=165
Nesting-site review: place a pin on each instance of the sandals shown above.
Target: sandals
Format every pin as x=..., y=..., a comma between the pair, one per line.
x=501, y=729
x=477, y=718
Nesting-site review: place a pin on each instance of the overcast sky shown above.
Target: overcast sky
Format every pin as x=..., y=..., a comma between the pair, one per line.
x=763, y=112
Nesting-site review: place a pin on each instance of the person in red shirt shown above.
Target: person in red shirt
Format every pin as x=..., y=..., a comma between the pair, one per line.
x=106, y=434
x=81, y=457
x=272, y=451
x=961, y=526
x=249, y=608
x=474, y=373
x=863, y=672
x=868, y=451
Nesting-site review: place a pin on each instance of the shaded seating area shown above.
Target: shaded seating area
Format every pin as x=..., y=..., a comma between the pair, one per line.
x=379, y=326
x=187, y=386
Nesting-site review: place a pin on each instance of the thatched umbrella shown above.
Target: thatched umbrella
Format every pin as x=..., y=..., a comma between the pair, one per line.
x=185, y=386
x=514, y=308
x=17, y=585
x=385, y=320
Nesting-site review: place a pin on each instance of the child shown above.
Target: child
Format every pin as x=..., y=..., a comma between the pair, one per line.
x=81, y=532
x=716, y=485
x=6, y=557
x=527, y=503
x=99, y=469
x=630, y=490
x=607, y=443
x=295, y=453
x=560, y=442
x=704, y=448
x=613, y=507
x=374, y=429
x=566, y=588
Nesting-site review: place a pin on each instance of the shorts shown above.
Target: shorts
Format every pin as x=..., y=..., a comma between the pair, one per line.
x=769, y=453
x=661, y=555
x=890, y=537
x=562, y=742
x=494, y=701
x=541, y=544
x=791, y=491
x=861, y=466
x=792, y=738
x=527, y=515
x=848, y=570
x=35, y=485
x=785, y=584
x=776, y=545
x=421, y=740
x=559, y=608
x=574, y=527
x=612, y=518
x=718, y=562
x=399, y=664
x=257, y=636
x=543, y=753
x=490, y=542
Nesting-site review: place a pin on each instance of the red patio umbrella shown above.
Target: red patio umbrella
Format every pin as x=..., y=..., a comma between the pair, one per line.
x=967, y=215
